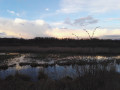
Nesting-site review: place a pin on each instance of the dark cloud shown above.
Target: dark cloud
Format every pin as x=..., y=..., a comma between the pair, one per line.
x=68, y=21
x=81, y=21
x=111, y=37
x=3, y=34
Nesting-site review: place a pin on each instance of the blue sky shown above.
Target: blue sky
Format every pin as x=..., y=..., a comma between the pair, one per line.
x=59, y=18
x=31, y=9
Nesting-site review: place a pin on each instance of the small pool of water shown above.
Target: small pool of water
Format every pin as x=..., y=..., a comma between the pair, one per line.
x=63, y=65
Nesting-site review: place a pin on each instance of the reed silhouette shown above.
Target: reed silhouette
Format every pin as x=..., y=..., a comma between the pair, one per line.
x=91, y=37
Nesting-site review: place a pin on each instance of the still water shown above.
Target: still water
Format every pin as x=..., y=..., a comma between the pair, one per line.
x=55, y=66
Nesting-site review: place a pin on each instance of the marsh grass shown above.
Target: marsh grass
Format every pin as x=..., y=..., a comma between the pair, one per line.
x=5, y=57
x=72, y=62
x=68, y=50
x=42, y=75
x=18, y=76
x=36, y=64
x=99, y=80
x=94, y=77
x=3, y=67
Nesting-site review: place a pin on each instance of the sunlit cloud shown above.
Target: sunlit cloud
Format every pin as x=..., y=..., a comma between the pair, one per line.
x=70, y=33
x=39, y=28
x=23, y=28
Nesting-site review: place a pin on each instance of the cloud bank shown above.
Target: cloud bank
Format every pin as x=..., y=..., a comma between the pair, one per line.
x=39, y=28
x=70, y=33
x=24, y=28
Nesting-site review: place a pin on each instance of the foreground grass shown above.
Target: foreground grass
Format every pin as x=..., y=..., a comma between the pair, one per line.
x=99, y=80
x=5, y=57
x=94, y=79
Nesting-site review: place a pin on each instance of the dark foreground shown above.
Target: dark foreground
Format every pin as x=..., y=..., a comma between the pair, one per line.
x=76, y=72
x=54, y=42
x=69, y=50
x=99, y=80
x=54, y=45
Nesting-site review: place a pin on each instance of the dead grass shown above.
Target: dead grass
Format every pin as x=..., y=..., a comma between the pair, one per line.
x=99, y=80
x=80, y=50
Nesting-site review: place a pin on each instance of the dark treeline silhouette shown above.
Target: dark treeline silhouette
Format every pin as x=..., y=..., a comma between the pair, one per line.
x=54, y=42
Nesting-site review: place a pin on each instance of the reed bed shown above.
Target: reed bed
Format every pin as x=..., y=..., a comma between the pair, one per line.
x=77, y=50
x=99, y=80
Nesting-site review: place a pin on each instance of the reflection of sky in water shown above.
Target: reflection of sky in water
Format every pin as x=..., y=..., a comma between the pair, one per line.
x=56, y=71
x=51, y=59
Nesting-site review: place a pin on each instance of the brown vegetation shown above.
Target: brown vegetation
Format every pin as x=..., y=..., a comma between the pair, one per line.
x=99, y=80
x=78, y=50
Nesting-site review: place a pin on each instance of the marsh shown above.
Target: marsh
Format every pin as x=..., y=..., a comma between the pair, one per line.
x=59, y=69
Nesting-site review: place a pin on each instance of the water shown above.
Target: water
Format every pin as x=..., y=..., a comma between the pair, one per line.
x=58, y=65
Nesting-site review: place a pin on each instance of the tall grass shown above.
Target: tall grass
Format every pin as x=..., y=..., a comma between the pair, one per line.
x=72, y=50
x=97, y=80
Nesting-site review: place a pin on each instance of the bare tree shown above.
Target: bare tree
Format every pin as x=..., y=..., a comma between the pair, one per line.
x=75, y=35
x=87, y=33
x=91, y=37
x=94, y=31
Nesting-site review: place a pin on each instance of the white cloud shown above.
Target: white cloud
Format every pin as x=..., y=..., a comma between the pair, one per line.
x=24, y=28
x=40, y=22
x=47, y=9
x=92, y=6
x=115, y=19
x=18, y=21
x=13, y=13
x=2, y=34
x=57, y=24
x=39, y=28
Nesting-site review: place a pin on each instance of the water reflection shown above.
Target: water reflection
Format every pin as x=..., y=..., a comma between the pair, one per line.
x=56, y=71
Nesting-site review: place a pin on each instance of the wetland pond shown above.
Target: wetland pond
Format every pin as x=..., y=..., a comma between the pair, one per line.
x=55, y=66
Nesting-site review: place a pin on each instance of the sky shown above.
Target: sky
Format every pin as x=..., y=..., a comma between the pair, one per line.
x=60, y=18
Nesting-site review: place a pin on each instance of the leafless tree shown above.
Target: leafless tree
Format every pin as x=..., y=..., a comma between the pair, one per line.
x=87, y=33
x=75, y=36
x=95, y=30
x=91, y=37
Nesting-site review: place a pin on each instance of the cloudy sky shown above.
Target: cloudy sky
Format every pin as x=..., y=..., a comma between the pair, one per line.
x=60, y=18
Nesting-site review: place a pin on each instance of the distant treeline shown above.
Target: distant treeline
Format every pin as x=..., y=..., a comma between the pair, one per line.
x=54, y=42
